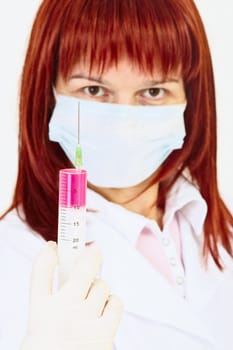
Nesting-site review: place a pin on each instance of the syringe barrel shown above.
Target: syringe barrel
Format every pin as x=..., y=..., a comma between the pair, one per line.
x=71, y=218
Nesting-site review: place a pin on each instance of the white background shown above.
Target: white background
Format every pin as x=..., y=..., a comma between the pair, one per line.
x=16, y=18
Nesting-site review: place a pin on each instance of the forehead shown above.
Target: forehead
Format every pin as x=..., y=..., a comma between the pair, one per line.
x=124, y=67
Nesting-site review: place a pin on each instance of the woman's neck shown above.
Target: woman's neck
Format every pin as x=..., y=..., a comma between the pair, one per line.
x=140, y=199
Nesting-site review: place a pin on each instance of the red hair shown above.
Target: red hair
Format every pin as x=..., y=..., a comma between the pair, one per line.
x=168, y=34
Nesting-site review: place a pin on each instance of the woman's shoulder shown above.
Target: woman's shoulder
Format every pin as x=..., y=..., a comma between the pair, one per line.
x=17, y=238
x=18, y=247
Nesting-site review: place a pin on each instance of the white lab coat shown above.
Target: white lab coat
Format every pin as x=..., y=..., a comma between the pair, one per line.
x=155, y=316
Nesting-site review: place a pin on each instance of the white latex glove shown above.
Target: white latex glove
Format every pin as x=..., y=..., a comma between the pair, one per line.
x=81, y=315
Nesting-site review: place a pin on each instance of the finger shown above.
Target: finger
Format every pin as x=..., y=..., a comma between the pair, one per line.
x=97, y=297
x=84, y=273
x=113, y=312
x=43, y=270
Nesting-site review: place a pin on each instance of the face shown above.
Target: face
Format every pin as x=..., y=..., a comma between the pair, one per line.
x=124, y=84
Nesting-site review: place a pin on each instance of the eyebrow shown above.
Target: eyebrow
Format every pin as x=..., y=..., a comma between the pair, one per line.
x=162, y=81
x=91, y=78
x=105, y=82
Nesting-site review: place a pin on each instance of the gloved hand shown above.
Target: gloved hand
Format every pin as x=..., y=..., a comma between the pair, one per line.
x=81, y=315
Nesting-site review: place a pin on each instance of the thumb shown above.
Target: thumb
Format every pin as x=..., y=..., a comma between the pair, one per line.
x=43, y=270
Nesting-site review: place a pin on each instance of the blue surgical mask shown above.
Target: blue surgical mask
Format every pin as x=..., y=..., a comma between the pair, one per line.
x=122, y=145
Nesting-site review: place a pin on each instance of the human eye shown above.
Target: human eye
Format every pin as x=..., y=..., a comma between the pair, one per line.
x=91, y=92
x=94, y=91
x=154, y=93
x=167, y=92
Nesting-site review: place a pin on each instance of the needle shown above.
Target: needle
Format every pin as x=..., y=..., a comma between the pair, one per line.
x=78, y=151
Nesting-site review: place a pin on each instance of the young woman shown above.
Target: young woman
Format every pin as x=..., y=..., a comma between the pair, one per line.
x=142, y=73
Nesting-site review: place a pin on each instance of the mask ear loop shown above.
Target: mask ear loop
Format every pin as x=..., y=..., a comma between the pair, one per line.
x=54, y=93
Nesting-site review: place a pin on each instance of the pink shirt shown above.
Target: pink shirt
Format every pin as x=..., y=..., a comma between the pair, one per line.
x=153, y=248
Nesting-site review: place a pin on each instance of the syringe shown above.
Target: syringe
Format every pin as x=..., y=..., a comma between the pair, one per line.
x=72, y=213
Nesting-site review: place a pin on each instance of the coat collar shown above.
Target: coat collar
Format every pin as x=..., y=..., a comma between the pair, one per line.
x=185, y=197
